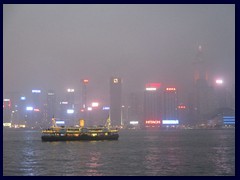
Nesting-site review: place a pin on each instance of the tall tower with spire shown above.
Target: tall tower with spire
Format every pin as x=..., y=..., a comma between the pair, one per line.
x=202, y=93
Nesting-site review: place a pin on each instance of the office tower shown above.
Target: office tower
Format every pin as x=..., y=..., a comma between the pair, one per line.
x=84, y=93
x=202, y=93
x=50, y=108
x=134, y=109
x=170, y=103
x=153, y=105
x=115, y=100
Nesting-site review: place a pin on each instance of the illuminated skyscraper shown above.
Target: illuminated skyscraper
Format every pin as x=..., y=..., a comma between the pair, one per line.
x=84, y=93
x=170, y=104
x=115, y=100
x=152, y=105
x=7, y=109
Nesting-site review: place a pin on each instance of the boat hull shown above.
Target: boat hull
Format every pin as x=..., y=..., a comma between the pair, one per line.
x=80, y=138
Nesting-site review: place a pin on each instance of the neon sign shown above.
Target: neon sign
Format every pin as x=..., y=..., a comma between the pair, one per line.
x=170, y=89
x=153, y=122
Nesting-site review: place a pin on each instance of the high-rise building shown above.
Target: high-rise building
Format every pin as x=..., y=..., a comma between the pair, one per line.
x=170, y=103
x=35, y=116
x=153, y=105
x=84, y=93
x=7, y=110
x=202, y=92
x=115, y=100
x=50, y=109
x=134, y=109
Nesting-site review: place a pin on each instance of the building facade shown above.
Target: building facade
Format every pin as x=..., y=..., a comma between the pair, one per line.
x=170, y=103
x=115, y=101
x=153, y=105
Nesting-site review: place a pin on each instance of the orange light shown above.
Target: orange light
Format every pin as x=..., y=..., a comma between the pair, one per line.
x=85, y=81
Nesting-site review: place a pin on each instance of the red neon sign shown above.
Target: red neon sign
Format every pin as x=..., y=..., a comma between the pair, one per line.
x=153, y=122
x=181, y=107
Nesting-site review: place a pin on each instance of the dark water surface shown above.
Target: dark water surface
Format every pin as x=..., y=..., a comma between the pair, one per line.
x=136, y=153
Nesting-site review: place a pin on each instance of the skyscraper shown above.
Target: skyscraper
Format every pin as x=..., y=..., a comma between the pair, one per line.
x=170, y=103
x=50, y=107
x=115, y=100
x=202, y=99
x=152, y=105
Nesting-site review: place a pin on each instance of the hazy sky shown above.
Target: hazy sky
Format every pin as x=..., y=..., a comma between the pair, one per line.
x=55, y=46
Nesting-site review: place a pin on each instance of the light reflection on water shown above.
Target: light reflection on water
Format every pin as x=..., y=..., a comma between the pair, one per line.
x=137, y=152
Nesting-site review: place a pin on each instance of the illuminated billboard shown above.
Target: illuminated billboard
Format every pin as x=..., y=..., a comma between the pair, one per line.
x=133, y=122
x=152, y=122
x=36, y=91
x=170, y=89
x=229, y=120
x=172, y=122
x=106, y=108
x=151, y=89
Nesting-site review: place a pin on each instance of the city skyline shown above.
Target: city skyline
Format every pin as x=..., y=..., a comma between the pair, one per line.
x=56, y=46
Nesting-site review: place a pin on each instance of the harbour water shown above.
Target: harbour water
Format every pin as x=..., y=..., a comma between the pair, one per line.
x=202, y=152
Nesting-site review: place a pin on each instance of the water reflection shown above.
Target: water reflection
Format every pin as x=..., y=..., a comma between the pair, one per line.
x=94, y=164
x=221, y=160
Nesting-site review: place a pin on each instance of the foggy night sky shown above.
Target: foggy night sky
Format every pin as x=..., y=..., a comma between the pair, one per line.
x=55, y=46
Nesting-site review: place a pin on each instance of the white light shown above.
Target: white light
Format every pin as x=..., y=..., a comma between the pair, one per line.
x=70, y=90
x=36, y=91
x=6, y=100
x=23, y=98
x=115, y=80
x=133, y=122
x=151, y=89
x=219, y=81
x=64, y=102
x=7, y=124
x=70, y=111
x=89, y=108
x=170, y=122
x=95, y=104
x=29, y=108
x=60, y=122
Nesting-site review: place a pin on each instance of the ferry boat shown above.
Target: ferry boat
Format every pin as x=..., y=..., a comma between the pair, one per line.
x=81, y=133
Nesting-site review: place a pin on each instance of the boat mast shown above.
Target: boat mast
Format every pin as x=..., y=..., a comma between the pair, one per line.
x=54, y=122
x=108, y=123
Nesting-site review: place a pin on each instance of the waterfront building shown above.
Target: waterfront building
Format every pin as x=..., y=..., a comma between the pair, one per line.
x=170, y=102
x=115, y=100
x=153, y=105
